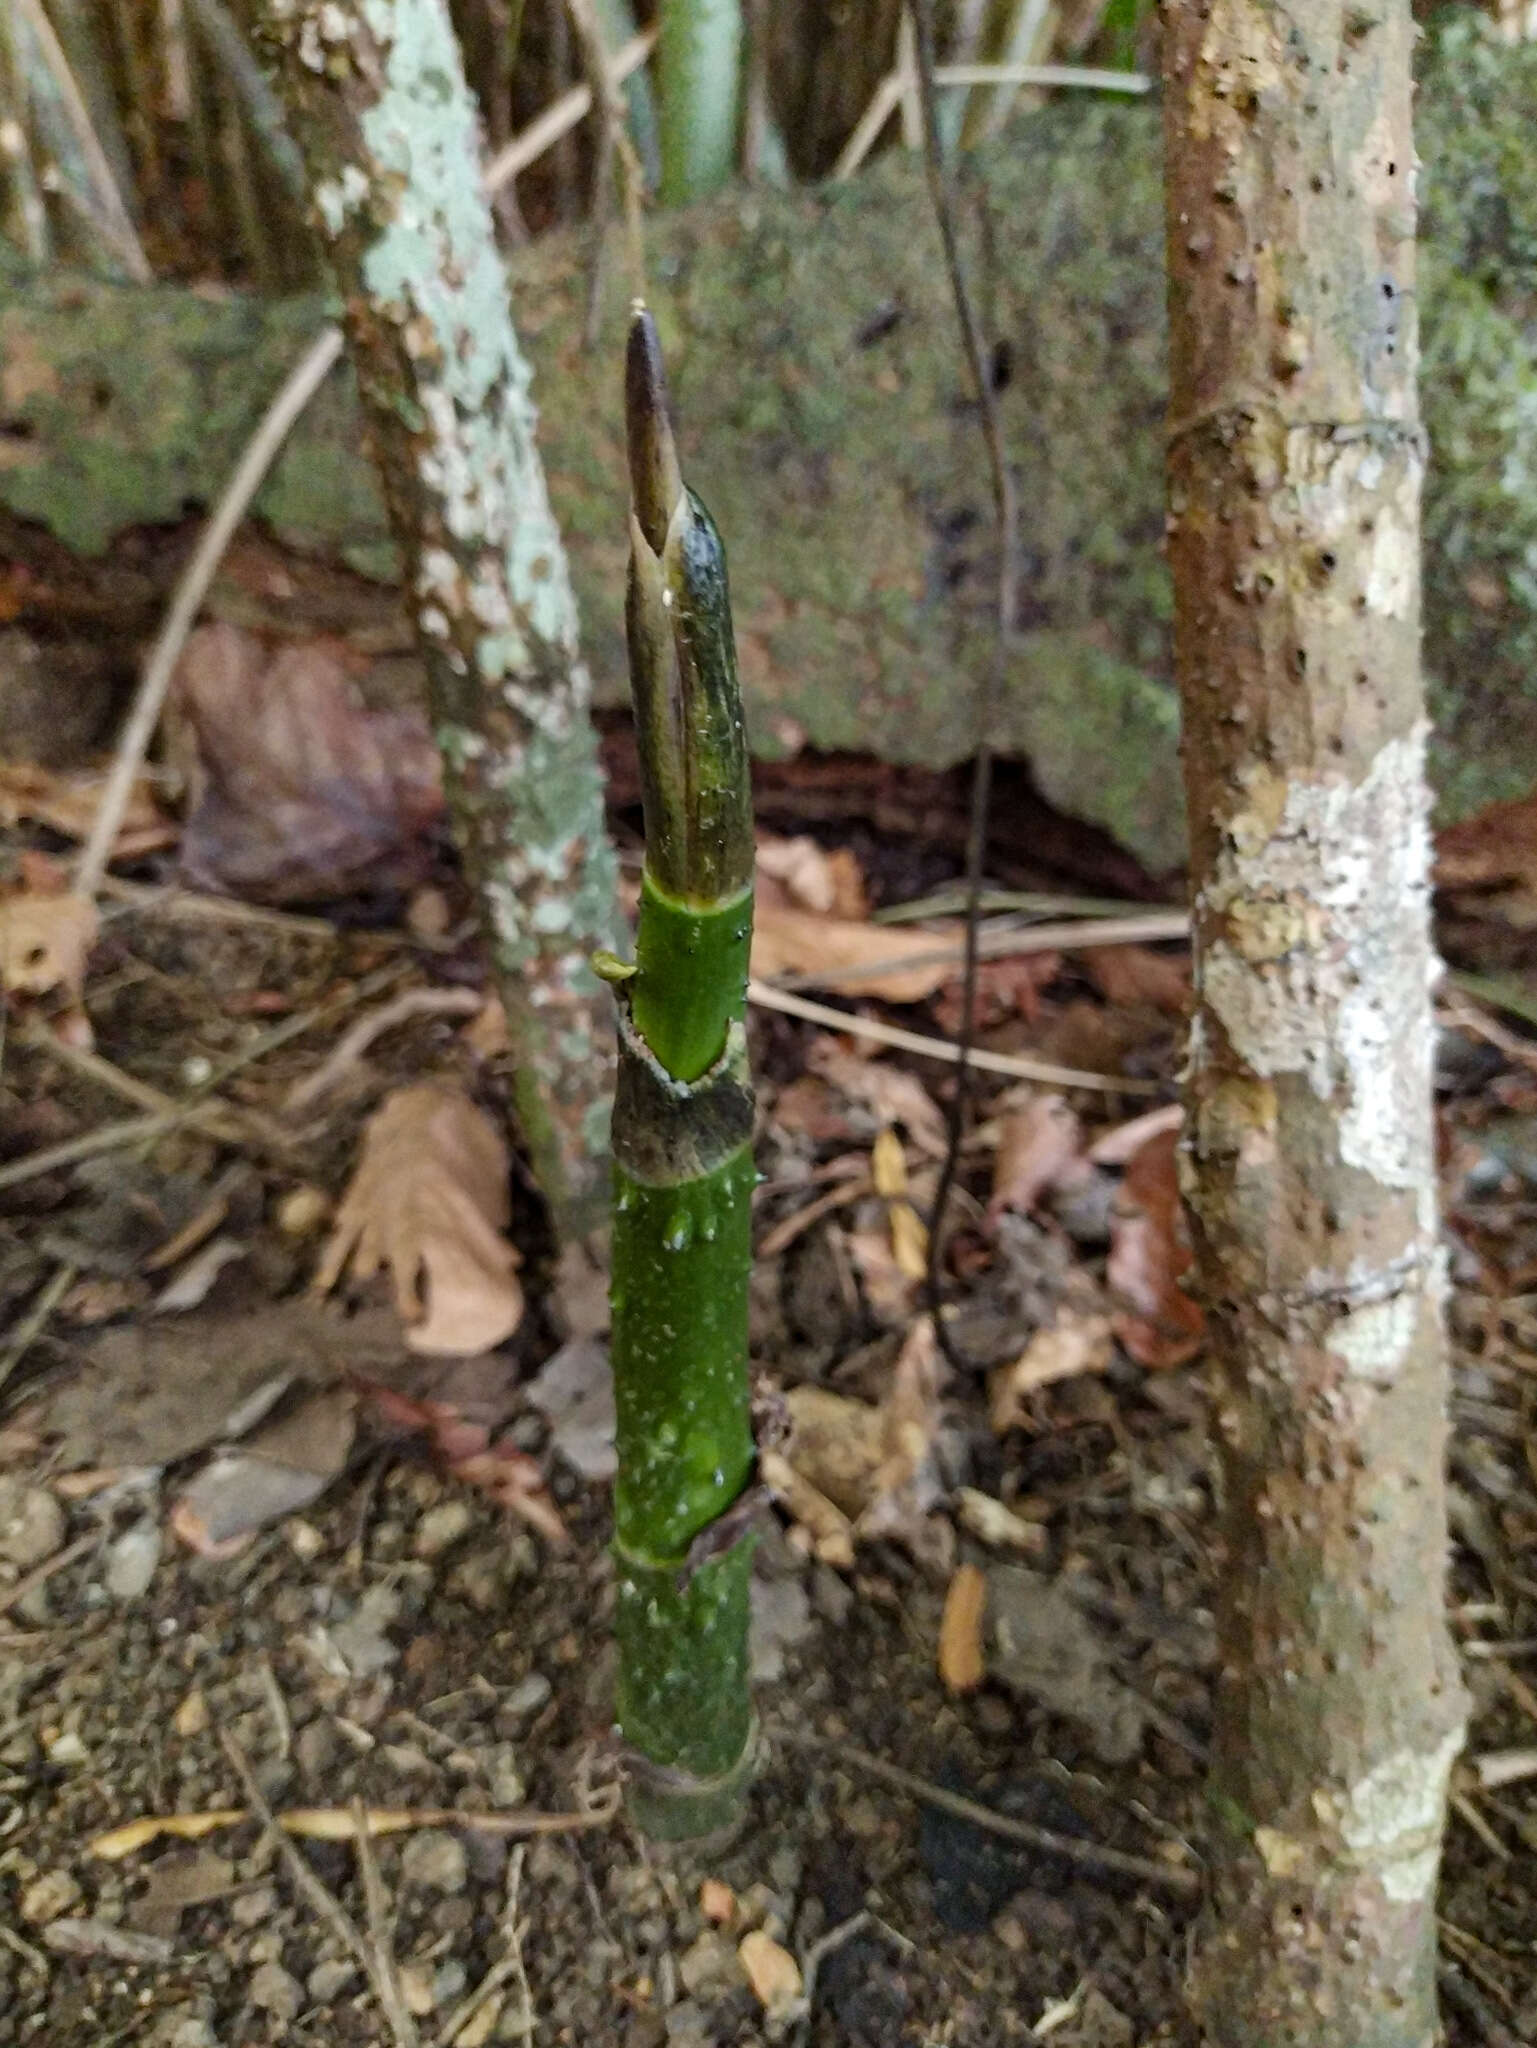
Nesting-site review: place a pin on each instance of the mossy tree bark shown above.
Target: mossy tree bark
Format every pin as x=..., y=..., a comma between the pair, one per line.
x=376, y=95
x=1294, y=471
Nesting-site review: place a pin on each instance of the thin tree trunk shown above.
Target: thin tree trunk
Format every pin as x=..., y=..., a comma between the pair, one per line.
x=387, y=128
x=1295, y=463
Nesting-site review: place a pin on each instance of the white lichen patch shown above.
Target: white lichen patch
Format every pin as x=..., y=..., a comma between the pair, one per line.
x=436, y=261
x=1347, y=1006
x=1390, y=1820
x=336, y=198
x=1377, y=1341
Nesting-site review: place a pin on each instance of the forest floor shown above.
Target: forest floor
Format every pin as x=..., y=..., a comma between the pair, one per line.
x=260, y=1557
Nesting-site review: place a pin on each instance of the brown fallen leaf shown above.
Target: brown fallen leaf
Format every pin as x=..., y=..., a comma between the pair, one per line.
x=470, y=1451
x=876, y=1464
x=66, y=804
x=1010, y=987
x=1040, y=1147
x=1115, y=1147
x=1495, y=848
x=1132, y=976
x=277, y=1472
x=428, y=1198
x=890, y=1093
x=790, y=941
x=830, y=1530
x=1149, y=1251
x=889, y=1290
x=1074, y=1344
x=300, y=793
x=962, y=1663
x=829, y=882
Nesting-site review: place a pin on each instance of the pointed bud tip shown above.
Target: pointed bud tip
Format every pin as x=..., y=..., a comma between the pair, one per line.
x=655, y=480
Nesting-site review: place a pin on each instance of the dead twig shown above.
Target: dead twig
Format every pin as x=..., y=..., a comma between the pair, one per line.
x=509, y=1965
x=320, y=1898
x=192, y=587
x=383, y=1973
x=36, y=1319
x=1089, y=1855
x=12, y=1596
x=350, y=1048
x=1012, y=942
x=1016, y=1065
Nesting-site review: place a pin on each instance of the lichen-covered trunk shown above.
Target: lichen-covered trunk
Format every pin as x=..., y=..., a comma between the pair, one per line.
x=376, y=94
x=1294, y=470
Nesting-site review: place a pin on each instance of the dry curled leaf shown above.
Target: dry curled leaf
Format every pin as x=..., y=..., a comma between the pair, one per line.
x=962, y=1662
x=1072, y=1345
x=875, y=1465
x=429, y=1200
x=45, y=942
x=301, y=792
x=849, y=957
x=1040, y=1147
x=468, y=1450
x=829, y=882
x=1132, y=976
x=890, y=1093
x=1149, y=1252
x=66, y=804
x=1008, y=987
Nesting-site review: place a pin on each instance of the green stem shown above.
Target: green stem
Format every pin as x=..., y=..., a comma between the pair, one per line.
x=683, y=1164
x=699, y=62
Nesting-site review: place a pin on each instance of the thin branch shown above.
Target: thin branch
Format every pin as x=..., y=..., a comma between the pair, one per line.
x=1071, y=1848
x=1014, y=1065
x=1004, y=513
x=304, y=380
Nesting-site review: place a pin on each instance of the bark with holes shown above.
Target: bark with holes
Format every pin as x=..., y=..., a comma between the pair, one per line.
x=1295, y=463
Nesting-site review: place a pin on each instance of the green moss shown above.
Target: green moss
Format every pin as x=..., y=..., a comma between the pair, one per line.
x=814, y=358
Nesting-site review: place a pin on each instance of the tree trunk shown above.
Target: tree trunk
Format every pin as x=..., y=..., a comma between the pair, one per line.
x=1294, y=470
x=382, y=114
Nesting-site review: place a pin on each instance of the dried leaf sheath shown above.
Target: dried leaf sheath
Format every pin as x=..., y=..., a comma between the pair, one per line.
x=683, y=1163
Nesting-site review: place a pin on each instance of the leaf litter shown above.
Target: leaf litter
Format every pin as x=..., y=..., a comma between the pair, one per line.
x=903, y=1488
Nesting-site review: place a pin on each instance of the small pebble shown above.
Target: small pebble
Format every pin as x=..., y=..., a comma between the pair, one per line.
x=131, y=1560
x=32, y=1523
x=191, y=1717
x=302, y=1210
x=772, y=1972
x=442, y=1526
x=710, y=1968
x=416, y=1991
x=525, y=1699
x=271, y=1989
x=49, y=1896
x=315, y=1748
x=503, y=1778
x=328, y=1980
x=448, y=1983
x=434, y=1861
x=66, y=1749
x=250, y=1909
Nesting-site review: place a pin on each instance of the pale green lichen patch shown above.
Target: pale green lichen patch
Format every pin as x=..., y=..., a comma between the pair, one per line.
x=1316, y=965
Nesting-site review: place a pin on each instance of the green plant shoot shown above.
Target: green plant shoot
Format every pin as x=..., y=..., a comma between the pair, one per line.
x=683, y=1174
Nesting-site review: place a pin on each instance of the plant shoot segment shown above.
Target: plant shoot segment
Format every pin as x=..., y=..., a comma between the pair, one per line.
x=683, y=1165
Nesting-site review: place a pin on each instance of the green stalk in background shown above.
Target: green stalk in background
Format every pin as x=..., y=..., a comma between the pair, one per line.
x=699, y=71
x=683, y=1165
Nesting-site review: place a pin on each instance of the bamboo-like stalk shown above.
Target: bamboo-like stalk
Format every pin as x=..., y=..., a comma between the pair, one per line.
x=683, y=1172
x=699, y=59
